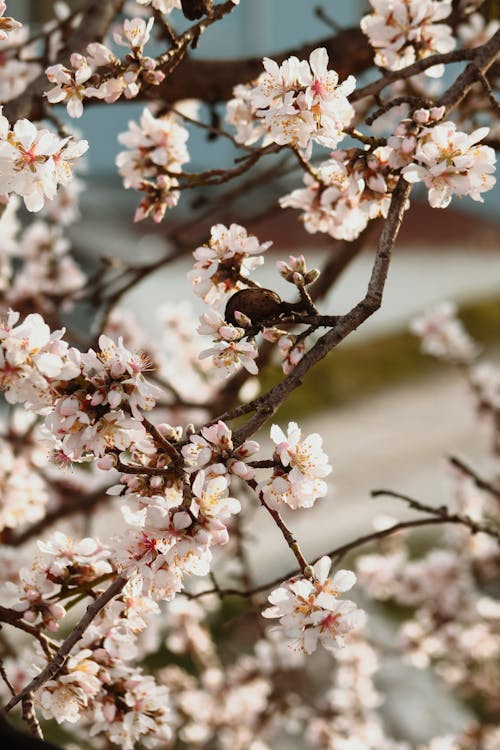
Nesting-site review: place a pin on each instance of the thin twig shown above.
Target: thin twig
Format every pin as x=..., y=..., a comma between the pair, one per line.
x=481, y=483
x=441, y=512
x=335, y=554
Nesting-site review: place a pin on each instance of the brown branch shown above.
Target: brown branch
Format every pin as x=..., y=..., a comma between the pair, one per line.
x=57, y=661
x=213, y=80
x=335, y=554
x=439, y=515
x=287, y=534
x=29, y=716
x=374, y=88
x=481, y=483
x=441, y=512
x=266, y=405
x=483, y=59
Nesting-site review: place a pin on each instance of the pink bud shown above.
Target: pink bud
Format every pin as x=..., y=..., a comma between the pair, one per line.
x=107, y=462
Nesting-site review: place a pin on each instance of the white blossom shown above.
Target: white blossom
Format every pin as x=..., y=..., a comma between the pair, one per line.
x=450, y=162
x=311, y=610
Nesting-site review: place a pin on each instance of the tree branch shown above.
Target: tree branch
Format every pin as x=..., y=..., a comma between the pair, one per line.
x=57, y=661
x=266, y=405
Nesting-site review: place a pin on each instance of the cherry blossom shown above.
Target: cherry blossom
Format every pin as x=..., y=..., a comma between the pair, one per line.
x=299, y=101
x=17, y=68
x=223, y=264
x=33, y=162
x=303, y=454
x=156, y=148
x=352, y=188
x=164, y=6
x=403, y=31
x=69, y=86
x=134, y=33
x=477, y=30
x=443, y=334
x=96, y=437
x=229, y=356
x=311, y=611
x=450, y=162
x=215, y=446
x=6, y=23
x=298, y=482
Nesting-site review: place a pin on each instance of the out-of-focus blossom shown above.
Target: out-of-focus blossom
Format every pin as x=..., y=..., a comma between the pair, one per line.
x=403, y=31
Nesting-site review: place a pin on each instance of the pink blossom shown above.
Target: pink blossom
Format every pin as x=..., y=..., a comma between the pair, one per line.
x=450, y=162
x=6, y=23
x=134, y=33
x=311, y=611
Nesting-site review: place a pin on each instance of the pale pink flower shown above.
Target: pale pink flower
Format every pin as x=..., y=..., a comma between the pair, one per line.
x=67, y=696
x=477, y=30
x=303, y=454
x=300, y=102
x=229, y=356
x=69, y=86
x=211, y=497
x=134, y=33
x=311, y=611
x=230, y=254
x=443, y=335
x=352, y=188
x=33, y=162
x=403, y=31
x=450, y=162
x=164, y=6
x=6, y=23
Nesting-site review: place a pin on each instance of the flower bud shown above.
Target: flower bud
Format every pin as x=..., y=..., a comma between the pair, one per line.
x=311, y=276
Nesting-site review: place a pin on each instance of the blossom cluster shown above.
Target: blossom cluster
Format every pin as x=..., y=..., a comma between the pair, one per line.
x=311, y=611
x=178, y=520
x=352, y=187
x=450, y=162
x=156, y=151
x=221, y=268
x=98, y=687
x=17, y=68
x=454, y=577
x=301, y=466
x=298, y=102
x=404, y=31
x=37, y=368
x=57, y=573
x=101, y=75
x=34, y=162
x=355, y=186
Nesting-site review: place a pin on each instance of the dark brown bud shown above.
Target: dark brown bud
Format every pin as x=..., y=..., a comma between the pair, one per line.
x=256, y=304
x=194, y=9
